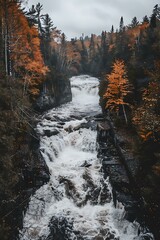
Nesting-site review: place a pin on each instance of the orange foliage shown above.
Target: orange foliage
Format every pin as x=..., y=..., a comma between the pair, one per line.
x=118, y=86
x=26, y=56
x=146, y=117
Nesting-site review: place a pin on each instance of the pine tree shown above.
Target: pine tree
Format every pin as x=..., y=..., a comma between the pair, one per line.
x=121, y=25
x=156, y=11
x=145, y=19
x=153, y=21
x=134, y=22
x=104, y=50
x=46, y=38
x=84, y=57
x=112, y=29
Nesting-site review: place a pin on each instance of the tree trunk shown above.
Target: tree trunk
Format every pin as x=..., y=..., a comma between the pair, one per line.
x=124, y=112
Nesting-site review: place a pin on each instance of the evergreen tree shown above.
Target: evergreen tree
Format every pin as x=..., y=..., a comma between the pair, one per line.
x=31, y=16
x=112, y=29
x=39, y=17
x=134, y=22
x=121, y=25
x=104, y=50
x=153, y=21
x=46, y=38
x=84, y=57
x=145, y=19
x=156, y=11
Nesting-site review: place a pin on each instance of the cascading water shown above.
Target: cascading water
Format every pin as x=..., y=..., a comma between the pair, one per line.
x=77, y=201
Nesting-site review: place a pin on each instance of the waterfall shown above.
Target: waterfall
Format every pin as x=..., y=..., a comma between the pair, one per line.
x=77, y=202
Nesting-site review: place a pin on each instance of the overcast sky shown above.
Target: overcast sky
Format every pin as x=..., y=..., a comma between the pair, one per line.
x=75, y=17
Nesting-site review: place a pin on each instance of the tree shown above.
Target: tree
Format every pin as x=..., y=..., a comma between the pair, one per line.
x=92, y=47
x=147, y=117
x=35, y=17
x=156, y=11
x=153, y=21
x=118, y=88
x=104, y=50
x=93, y=55
x=46, y=38
x=112, y=29
x=145, y=19
x=134, y=22
x=84, y=57
x=121, y=25
x=24, y=57
x=5, y=7
x=31, y=16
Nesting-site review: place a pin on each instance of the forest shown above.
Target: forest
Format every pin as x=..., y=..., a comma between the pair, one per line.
x=36, y=62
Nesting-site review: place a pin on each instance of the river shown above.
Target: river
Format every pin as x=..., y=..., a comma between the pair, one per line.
x=77, y=202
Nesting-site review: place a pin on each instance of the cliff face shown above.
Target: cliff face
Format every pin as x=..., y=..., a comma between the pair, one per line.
x=131, y=172
x=22, y=169
x=21, y=175
x=54, y=96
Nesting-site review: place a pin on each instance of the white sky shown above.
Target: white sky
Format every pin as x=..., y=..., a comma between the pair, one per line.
x=74, y=17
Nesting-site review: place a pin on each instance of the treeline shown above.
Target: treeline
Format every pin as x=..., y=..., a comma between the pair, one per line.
x=33, y=77
x=131, y=84
x=130, y=95
x=132, y=54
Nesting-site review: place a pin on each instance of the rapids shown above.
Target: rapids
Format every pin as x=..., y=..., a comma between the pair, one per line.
x=77, y=202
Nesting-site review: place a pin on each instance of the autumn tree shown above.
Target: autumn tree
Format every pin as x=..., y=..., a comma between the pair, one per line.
x=26, y=57
x=20, y=44
x=6, y=19
x=118, y=88
x=147, y=116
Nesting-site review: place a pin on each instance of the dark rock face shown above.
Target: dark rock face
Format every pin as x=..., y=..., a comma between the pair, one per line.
x=32, y=172
x=123, y=187
x=49, y=100
x=45, y=102
x=50, y=133
x=66, y=94
x=61, y=229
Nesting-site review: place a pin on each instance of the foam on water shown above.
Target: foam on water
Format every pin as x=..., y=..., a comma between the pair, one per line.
x=75, y=192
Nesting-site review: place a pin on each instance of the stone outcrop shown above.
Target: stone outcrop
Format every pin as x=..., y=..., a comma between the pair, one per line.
x=118, y=165
x=48, y=100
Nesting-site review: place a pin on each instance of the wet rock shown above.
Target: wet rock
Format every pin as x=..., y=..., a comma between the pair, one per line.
x=60, y=229
x=98, y=237
x=50, y=133
x=49, y=100
x=86, y=164
x=132, y=209
x=49, y=118
x=45, y=102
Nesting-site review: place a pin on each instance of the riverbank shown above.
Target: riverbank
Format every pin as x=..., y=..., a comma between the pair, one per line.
x=22, y=167
x=131, y=181
x=78, y=200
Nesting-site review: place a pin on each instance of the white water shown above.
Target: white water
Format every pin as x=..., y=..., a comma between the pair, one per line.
x=75, y=192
